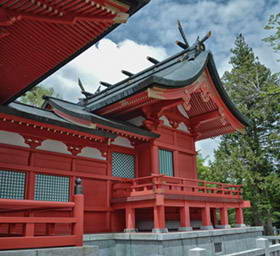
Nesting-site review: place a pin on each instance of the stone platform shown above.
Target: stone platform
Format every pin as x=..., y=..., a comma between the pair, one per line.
x=55, y=251
x=216, y=242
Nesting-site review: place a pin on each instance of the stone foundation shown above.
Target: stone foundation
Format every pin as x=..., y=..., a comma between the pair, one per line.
x=55, y=251
x=216, y=242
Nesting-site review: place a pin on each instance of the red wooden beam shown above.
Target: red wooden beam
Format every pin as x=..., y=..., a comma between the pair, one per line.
x=7, y=243
x=34, y=203
x=38, y=219
x=205, y=117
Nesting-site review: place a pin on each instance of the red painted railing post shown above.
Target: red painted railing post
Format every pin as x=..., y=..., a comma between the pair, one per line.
x=78, y=212
x=12, y=228
x=29, y=227
x=134, y=184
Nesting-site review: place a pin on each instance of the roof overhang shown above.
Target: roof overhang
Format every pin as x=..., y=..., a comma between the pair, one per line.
x=76, y=114
x=38, y=37
x=27, y=120
x=194, y=85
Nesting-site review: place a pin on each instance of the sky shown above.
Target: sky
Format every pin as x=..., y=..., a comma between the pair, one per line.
x=152, y=31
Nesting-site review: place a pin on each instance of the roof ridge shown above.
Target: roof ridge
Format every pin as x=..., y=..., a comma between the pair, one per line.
x=138, y=74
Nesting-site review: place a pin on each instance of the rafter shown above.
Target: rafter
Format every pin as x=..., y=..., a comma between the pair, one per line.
x=205, y=117
x=8, y=18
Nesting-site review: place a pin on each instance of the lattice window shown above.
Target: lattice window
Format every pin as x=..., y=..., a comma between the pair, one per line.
x=218, y=247
x=51, y=188
x=123, y=165
x=166, y=162
x=12, y=184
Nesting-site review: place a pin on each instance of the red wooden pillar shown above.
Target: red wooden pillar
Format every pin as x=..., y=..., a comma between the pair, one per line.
x=78, y=212
x=159, y=219
x=185, y=223
x=206, y=218
x=129, y=219
x=239, y=217
x=154, y=159
x=224, y=218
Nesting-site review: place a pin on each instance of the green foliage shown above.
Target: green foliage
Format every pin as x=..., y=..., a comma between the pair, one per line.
x=274, y=26
x=202, y=168
x=252, y=158
x=34, y=97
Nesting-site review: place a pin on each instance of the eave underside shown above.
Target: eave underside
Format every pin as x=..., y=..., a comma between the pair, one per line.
x=38, y=37
x=205, y=112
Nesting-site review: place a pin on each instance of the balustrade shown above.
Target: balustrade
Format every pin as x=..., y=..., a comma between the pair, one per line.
x=23, y=218
x=174, y=185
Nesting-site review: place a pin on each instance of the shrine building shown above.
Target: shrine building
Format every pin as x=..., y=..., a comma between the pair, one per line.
x=122, y=159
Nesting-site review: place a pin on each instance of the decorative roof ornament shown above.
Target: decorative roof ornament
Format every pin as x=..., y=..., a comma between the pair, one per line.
x=98, y=90
x=196, y=48
x=127, y=73
x=83, y=91
x=153, y=60
x=105, y=84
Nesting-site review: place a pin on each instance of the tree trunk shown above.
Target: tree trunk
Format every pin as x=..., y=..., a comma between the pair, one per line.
x=268, y=228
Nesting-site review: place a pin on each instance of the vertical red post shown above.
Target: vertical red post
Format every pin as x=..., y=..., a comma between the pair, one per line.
x=239, y=217
x=31, y=186
x=185, y=223
x=154, y=159
x=224, y=218
x=12, y=228
x=29, y=227
x=213, y=216
x=130, y=219
x=206, y=218
x=78, y=212
x=159, y=219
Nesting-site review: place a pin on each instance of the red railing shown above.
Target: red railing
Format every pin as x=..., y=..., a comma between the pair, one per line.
x=21, y=230
x=173, y=185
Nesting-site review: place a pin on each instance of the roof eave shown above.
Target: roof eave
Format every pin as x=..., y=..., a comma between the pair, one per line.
x=136, y=5
x=32, y=117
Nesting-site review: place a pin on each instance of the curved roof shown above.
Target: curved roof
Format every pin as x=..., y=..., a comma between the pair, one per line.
x=174, y=72
x=77, y=112
x=48, y=117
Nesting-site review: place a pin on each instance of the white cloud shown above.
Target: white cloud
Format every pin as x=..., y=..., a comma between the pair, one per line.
x=152, y=31
x=103, y=62
x=207, y=147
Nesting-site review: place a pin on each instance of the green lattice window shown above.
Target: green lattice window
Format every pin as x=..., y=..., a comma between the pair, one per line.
x=166, y=162
x=12, y=184
x=51, y=188
x=123, y=165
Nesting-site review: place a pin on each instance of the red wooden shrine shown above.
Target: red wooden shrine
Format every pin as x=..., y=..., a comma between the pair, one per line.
x=132, y=144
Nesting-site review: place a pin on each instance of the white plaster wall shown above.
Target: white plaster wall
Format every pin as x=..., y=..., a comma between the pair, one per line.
x=12, y=138
x=165, y=121
x=182, y=111
x=182, y=127
x=121, y=141
x=138, y=121
x=54, y=146
x=91, y=153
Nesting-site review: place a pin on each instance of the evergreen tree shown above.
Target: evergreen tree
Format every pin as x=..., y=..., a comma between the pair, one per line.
x=34, y=97
x=252, y=158
x=202, y=168
x=274, y=26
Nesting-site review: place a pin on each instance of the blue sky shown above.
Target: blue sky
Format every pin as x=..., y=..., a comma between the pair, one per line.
x=155, y=25
x=152, y=31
